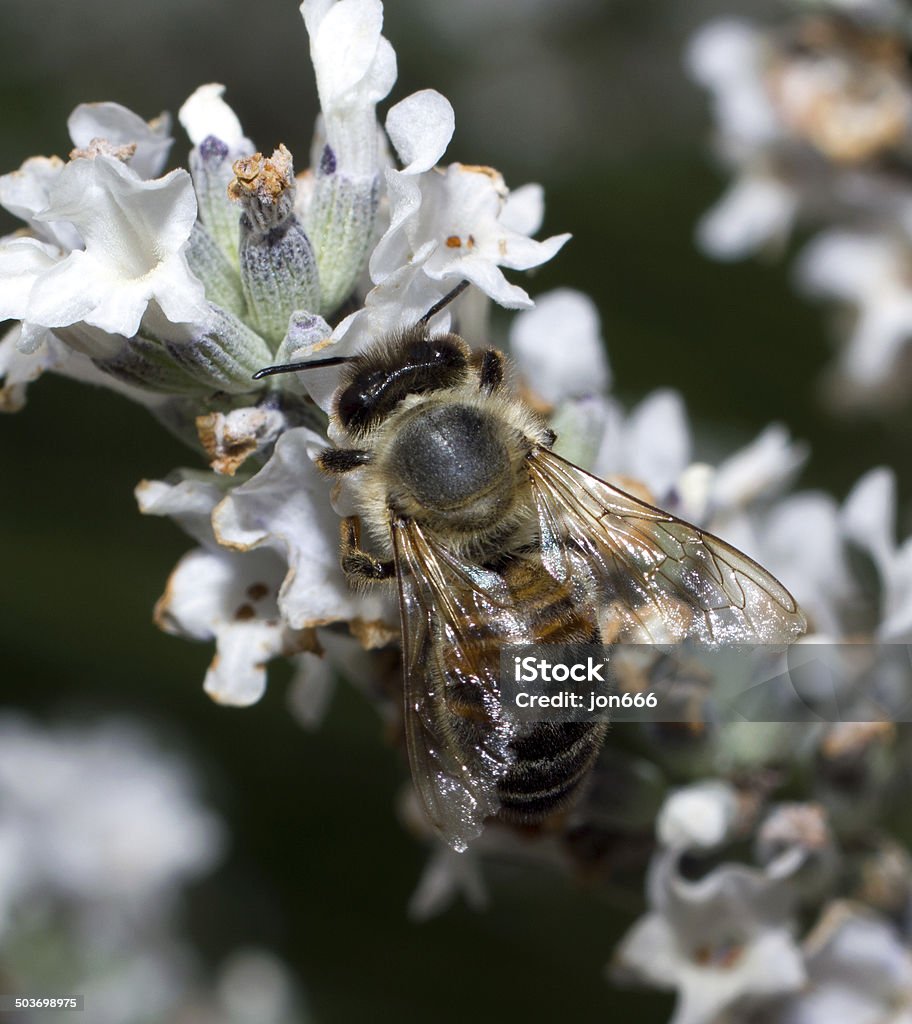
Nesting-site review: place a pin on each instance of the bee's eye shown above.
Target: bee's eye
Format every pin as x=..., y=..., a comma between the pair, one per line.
x=428, y=352
x=420, y=365
x=357, y=404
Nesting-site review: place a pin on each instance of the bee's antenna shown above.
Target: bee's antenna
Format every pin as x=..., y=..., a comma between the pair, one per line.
x=444, y=302
x=307, y=364
x=310, y=364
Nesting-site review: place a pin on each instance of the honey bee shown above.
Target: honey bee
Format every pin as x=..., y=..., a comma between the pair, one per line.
x=492, y=539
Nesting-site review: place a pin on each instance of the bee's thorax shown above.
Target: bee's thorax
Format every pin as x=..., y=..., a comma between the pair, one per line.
x=452, y=460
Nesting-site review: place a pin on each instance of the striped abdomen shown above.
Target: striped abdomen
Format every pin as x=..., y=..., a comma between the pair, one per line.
x=552, y=758
x=548, y=760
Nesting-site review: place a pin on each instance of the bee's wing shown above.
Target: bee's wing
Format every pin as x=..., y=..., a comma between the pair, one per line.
x=661, y=579
x=455, y=616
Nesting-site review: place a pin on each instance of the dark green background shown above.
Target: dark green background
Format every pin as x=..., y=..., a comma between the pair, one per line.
x=589, y=99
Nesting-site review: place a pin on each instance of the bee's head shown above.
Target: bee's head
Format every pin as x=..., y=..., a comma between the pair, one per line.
x=410, y=363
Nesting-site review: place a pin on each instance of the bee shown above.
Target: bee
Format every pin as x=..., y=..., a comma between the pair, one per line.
x=492, y=539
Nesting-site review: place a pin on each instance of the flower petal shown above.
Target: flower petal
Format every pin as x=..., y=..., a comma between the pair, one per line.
x=120, y=126
x=698, y=816
x=558, y=346
x=286, y=507
x=420, y=127
x=763, y=468
x=657, y=440
x=206, y=114
x=869, y=517
x=134, y=232
x=25, y=193
x=756, y=210
x=23, y=261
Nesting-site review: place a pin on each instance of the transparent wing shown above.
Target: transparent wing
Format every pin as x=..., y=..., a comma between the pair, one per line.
x=455, y=617
x=659, y=579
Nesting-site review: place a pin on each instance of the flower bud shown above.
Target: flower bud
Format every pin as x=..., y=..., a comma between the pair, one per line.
x=278, y=269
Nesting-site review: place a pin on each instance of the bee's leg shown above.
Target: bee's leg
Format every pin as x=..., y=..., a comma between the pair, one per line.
x=342, y=460
x=490, y=367
x=357, y=564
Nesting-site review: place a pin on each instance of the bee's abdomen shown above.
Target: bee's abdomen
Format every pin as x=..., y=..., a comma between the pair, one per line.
x=553, y=614
x=552, y=759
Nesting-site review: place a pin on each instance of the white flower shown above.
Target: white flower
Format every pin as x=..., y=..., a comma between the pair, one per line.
x=719, y=942
x=698, y=816
x=458, y=224
x=355, y=67
x=119, y=126
x=134, y=233
x=99, y=817
x=420, y=127
x=869, y=521
x=286, y=508
x=221, y=595
x=25, y=193
x=448, y=875
x=872, y=273
x=559, y=346
x=206, y=114
x=758, y=210
x=859, y=972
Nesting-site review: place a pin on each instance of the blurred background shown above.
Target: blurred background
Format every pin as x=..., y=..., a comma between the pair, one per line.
x=587, y=97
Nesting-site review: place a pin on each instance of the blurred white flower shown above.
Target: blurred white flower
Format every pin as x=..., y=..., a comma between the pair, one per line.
x=869, y=521
x=806, y=537
x=756, y=212
x=254, y=987
x=814, y=118
x=859, y=972
x=698, y=816
x=720, y=942
x=448, y=875
x=97, y=816
x=101, y=831
x=873, y=274
x=559, y=345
